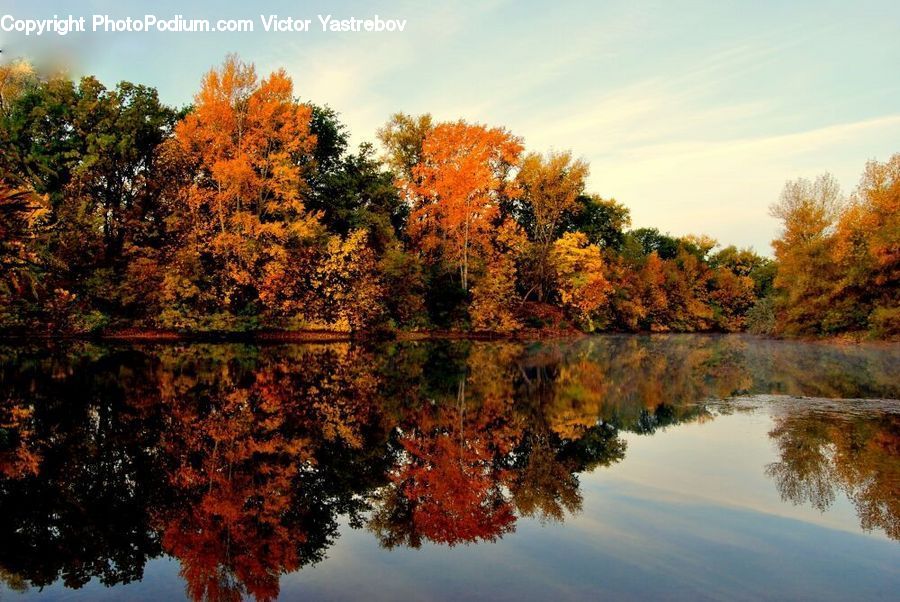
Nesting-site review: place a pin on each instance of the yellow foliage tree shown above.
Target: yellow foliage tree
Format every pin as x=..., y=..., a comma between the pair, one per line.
x=550, y=187
x=806, y=272
x=581, y=285
x=494, y=295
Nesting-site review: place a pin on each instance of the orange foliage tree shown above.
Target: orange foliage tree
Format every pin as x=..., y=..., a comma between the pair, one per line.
x=458, y=184
x=867, y=246
x=247, y=143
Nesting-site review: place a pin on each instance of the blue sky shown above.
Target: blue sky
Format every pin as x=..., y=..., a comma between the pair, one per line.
x=693, y=114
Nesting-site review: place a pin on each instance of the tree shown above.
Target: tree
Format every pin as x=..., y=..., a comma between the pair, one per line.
x=90, y=146
x=463, y=173
x=649, y=240
x=92, y=153
x=732, y=296
x=698, y=245
x=15, y=78
x=347, y=283
x=603, y=221
x=654, y=306
x=359, y=194
x=493, y=297
x=581, y=285
x=350, y=190
x=242, y=220
x=20, y=210
x=403, y=138
x=403, y=280
x=806, y=273
x=550, y=188
x=867, y=246
x=746, y=262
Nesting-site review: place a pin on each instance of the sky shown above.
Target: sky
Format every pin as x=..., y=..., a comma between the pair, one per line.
x=693, y=114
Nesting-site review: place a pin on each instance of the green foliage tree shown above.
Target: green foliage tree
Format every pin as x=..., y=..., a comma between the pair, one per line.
x=603, y=221
x=92, y=153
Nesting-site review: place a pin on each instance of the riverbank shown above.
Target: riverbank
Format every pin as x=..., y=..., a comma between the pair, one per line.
x=137, y=335
x=301, y=336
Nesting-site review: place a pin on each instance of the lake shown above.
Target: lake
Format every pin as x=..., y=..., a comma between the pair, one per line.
x=684, y=467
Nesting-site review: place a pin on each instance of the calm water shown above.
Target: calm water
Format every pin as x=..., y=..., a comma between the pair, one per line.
x=671, y=467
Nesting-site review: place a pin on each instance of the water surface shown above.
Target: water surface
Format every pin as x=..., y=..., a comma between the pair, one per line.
x=623, y=467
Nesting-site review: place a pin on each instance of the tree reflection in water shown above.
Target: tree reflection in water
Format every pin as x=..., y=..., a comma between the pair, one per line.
x=824, y=452
x=239, y=460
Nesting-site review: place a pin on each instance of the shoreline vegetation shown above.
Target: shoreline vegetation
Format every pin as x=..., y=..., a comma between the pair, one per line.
x=306, y=336
x=324, y=337
x=247, y=216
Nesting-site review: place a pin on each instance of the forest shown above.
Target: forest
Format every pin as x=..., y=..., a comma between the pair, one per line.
x=249, y=211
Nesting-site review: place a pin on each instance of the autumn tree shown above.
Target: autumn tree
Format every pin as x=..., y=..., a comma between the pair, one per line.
x=354, y=192
x=698, y=245
x=867, y=247
x=247, y=142
x=580, y=282
x=458, y=183
x=746, y=262
x=741, y=278
x=15, y=77
x=91, y=152
x=661, y=295
x=805, y=282
x=20, y=265
x=550, y=188
x=731, y=297
x=346, y=287
x=403, y=138
x=494, y=299
x=249, y=210
x=688, y=285
x=651, y=284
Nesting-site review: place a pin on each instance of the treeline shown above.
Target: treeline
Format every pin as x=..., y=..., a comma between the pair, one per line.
x=839, y=258
x=249, y=210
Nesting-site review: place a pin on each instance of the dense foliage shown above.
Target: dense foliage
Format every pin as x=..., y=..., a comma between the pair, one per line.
x=839, y=259
x=248, y=210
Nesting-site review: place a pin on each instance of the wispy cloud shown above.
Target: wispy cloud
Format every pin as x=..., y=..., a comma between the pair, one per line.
x=694, y=118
